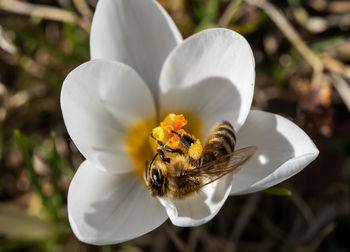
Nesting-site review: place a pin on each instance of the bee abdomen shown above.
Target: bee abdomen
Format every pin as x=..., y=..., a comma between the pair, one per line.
x=221, y=141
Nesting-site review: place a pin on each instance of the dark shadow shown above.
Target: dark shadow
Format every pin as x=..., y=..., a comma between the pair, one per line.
x=220, y=190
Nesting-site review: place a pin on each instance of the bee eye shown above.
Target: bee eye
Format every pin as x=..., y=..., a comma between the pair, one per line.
x=156, y=177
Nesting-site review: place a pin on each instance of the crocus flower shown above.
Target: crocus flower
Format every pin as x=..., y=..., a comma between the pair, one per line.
x=140, y=71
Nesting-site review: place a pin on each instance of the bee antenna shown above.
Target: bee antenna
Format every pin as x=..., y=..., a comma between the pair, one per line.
x=150, y=164
x=153, y=136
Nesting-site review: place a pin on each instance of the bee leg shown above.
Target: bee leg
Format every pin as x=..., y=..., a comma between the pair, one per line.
x=166, y=147
x=185, y=139
x=161, y=155
x=199, y=161
x=158, y=141
x=150, y=164
x=171, y=150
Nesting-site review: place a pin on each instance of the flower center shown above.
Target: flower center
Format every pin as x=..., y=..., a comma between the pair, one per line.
x=137, y=143
x=143, y=138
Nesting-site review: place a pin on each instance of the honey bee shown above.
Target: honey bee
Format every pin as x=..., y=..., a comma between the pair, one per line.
x=173, y=173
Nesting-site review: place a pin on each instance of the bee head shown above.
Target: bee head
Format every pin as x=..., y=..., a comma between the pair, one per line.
x=155, y=177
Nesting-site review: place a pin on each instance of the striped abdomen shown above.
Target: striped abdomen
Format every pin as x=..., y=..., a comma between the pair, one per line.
x=221, y=141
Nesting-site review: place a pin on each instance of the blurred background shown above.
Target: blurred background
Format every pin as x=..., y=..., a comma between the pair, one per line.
x=302, y=52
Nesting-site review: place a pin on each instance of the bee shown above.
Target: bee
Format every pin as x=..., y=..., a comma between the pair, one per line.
x=172, y=172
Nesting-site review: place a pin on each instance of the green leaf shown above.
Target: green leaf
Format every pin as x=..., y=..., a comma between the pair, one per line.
x=323, y=44
x=56, y=173
x=209, y=13
x=278, y=191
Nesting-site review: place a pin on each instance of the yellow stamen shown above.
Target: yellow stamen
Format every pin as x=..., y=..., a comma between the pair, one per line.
x=138, y=144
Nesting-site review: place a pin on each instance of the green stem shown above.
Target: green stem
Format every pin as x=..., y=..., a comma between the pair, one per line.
x=231, y=13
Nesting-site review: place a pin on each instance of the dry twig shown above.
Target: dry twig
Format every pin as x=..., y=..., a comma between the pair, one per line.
x=303, y=207
x=343, y=88
x=336, y=66
x=245, y=216
x=83, y=8
x=42, y=11
x=3, y=101
x=288, y=30
x=178, y=242
x=316, y=62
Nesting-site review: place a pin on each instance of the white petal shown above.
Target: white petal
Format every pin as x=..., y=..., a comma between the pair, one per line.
x=107, y=208
x=139, y=33
x=210, y=55
x=100, y=100
x=199, y=208
x=211, y=100
x=283, y=150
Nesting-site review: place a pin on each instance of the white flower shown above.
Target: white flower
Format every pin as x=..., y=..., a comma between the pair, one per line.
x=108, y=109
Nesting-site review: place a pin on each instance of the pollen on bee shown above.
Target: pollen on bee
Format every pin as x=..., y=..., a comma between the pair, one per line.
x=141, y=136
x=173, y=142
x=170, y=131
x=158, y=133
x=195, y=150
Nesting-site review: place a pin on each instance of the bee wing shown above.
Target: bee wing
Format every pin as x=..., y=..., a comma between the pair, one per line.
x=214, y=170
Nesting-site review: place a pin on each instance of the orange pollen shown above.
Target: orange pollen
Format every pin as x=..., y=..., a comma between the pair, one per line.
x=173, y=141
x=169, y=132
x=179, y=122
